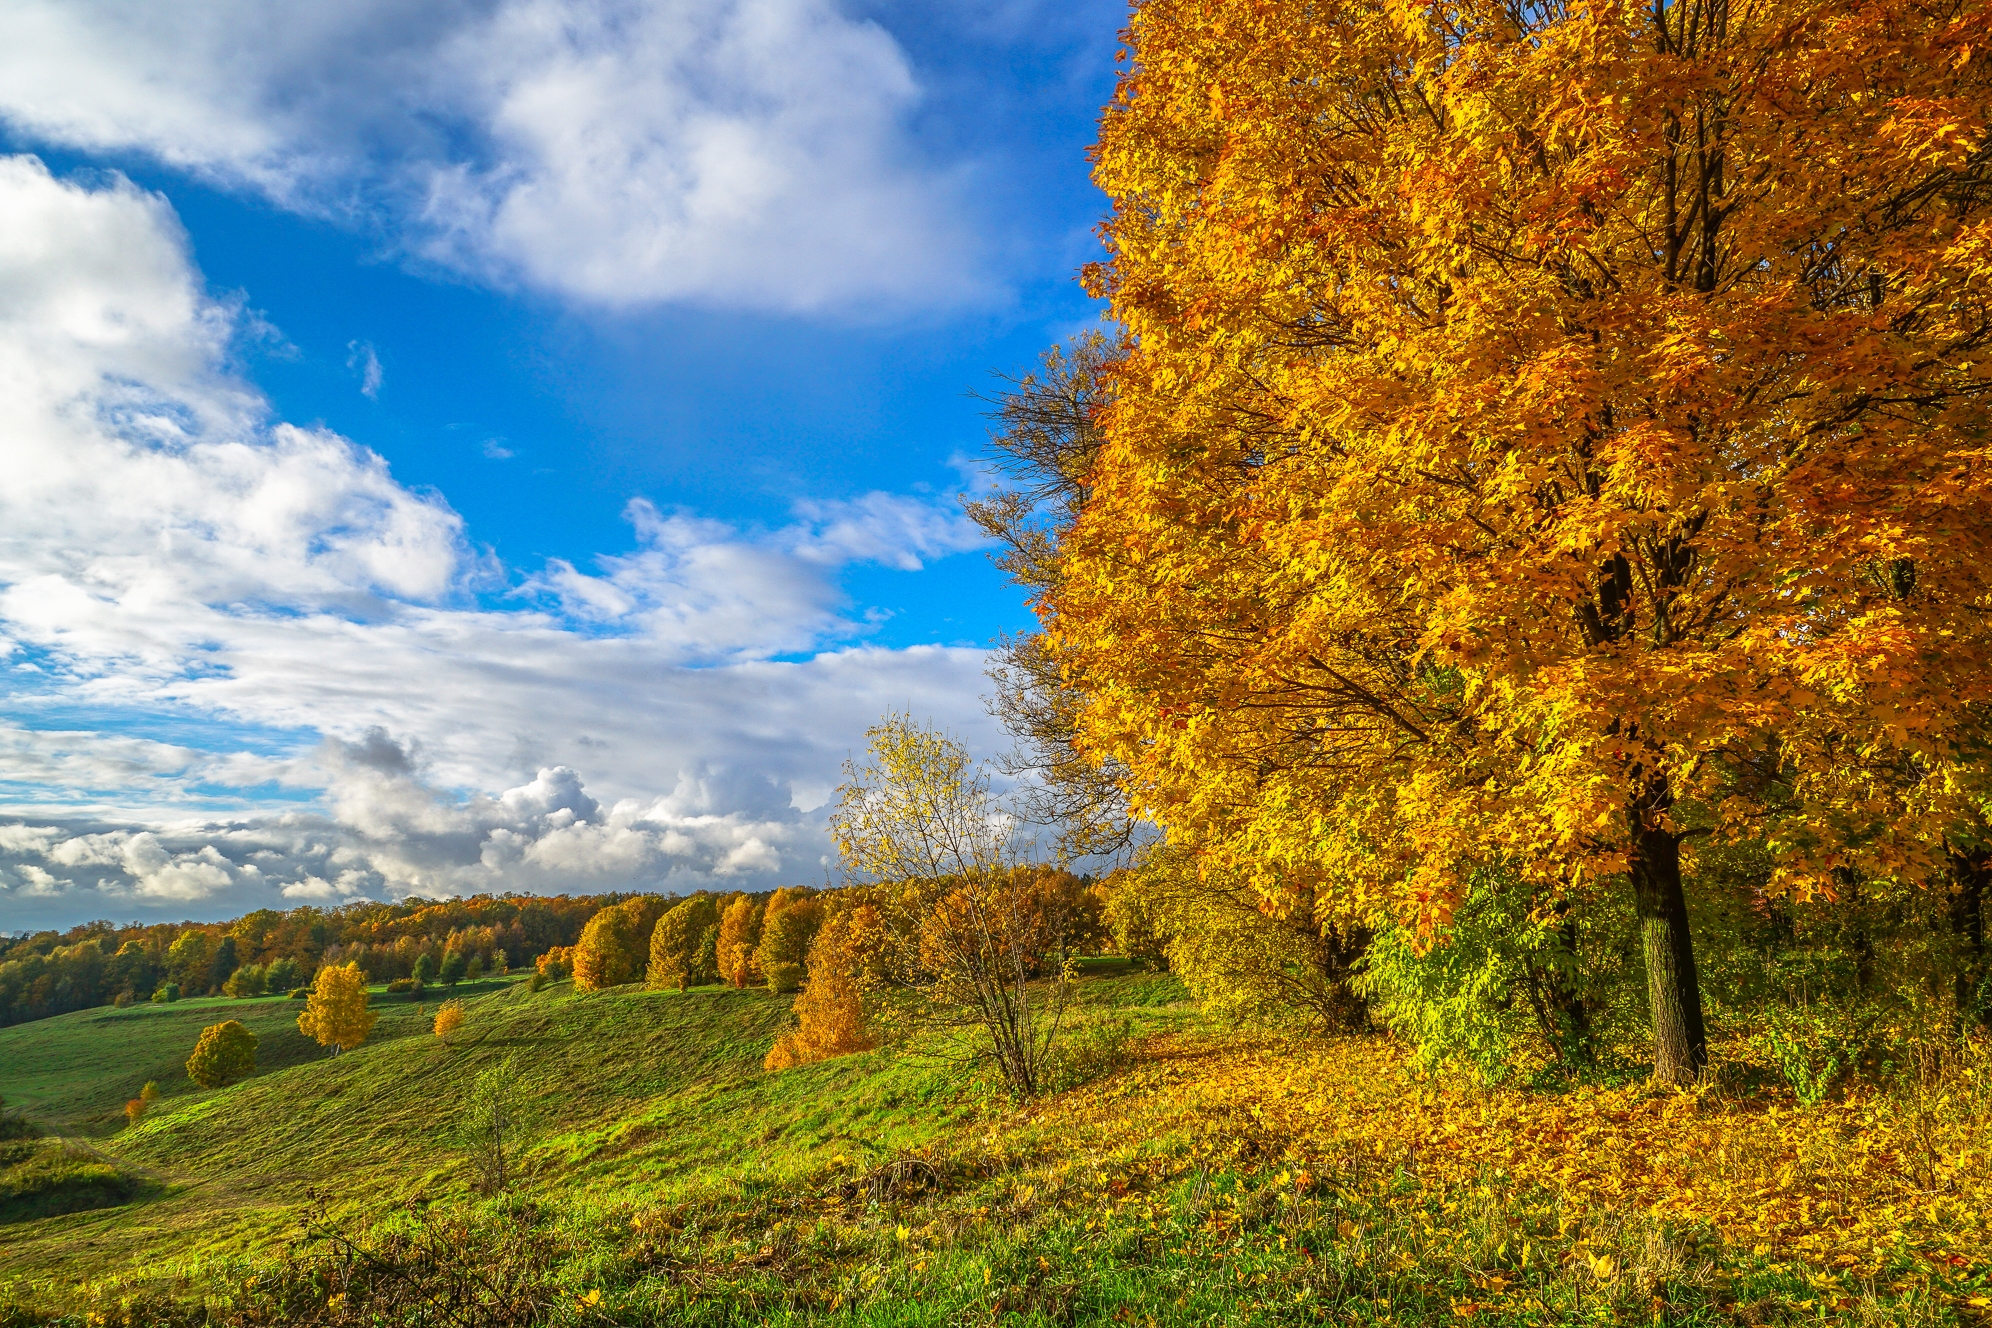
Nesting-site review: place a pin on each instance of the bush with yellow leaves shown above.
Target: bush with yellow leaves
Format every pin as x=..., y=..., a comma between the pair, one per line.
x=449, y=1018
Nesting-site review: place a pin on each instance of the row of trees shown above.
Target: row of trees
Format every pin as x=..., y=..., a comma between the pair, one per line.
x=268, y=951
x=1529, y=519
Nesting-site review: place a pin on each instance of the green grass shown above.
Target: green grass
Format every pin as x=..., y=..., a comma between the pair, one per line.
x=633, y=1097
x=671, y=1180
x=74, y=1073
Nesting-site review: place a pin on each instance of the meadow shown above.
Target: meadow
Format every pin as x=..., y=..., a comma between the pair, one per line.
x=1188, y=1171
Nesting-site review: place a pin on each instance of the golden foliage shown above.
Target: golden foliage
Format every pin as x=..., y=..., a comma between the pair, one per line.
x=787, y=928
x=830, y=1012
x=226, y=1052
x=674, y=944
x=556, y=963
x=1854, y=1187
x=449, y=1018
x=336, y=1014
x=136, y=1108
x=963, y=925
x=739, y=938
x=615, y=945
x=1538, y=431
x=1239, y=953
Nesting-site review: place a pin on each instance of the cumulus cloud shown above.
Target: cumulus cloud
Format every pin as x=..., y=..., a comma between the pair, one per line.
x=746, y=153
x=428, y=721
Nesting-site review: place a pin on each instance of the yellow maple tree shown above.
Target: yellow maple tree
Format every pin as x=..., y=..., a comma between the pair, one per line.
x=1543, y=435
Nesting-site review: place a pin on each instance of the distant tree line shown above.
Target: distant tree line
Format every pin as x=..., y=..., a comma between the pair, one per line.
x=271, y=952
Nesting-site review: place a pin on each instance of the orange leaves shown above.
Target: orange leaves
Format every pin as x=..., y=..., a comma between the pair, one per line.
x=1512, y=419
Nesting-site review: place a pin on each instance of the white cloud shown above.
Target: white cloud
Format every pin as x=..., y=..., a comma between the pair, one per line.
x=363, y=359
x=744, y=153
x=169, y=554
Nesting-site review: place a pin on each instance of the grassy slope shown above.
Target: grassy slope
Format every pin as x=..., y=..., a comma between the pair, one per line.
x=74, y=1073
x=636, y=1094
x=1219, y=1178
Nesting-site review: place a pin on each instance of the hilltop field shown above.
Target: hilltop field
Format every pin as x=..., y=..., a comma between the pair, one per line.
x=1189, y=1172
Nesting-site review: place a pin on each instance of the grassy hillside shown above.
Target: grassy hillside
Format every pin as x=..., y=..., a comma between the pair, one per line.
x=1194, y=1174
x=75, y=1072
x=629, y=1092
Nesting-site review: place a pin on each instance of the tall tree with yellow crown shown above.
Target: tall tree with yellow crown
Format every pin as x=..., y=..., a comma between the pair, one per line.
x=1544, y=433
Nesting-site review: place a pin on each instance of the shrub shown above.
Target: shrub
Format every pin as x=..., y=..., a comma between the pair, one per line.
x=248, y=980
x=448, y=1019
x=536, y=981
x=1508, y=982
x=13, y=1125
x=556, y=963
x=225, y=1053
x=58, y=1177
x=1239, y=956
x=136, y=1108
x=300, y=993
x=166, y=991
x=413, y=986
x=283, y=974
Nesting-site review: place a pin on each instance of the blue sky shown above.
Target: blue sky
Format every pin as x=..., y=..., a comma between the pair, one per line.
x=507, y=444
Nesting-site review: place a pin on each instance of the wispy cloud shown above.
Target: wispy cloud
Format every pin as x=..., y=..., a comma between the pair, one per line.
x=362, y=359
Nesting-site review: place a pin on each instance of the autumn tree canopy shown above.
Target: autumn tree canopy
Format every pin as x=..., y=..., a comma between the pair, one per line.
x=336, y=1014
x=675, y=944
x=1548, y=437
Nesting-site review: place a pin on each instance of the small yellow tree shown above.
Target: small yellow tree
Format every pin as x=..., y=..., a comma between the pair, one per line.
x=674, y=944
x=830, y=1013
x=787, y=928
x=615, y=945
x=961, y=927
x=448, y=1019
x=336, y=1013
x=739, y=938
x=136, y=1108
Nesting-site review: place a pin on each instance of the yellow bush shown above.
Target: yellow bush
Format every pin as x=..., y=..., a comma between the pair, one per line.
x=448, y=1019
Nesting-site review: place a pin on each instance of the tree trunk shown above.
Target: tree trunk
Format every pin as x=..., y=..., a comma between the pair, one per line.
x=1967, y=918
x=1680, y=1042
